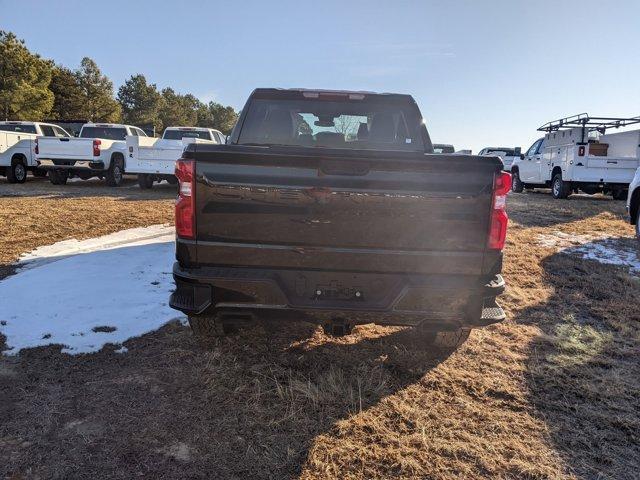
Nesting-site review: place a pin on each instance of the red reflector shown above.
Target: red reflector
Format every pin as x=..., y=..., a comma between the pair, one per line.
x=581, y=151
x=185, y=203
x=36, y=150
x=499, y=218
x=96, y=148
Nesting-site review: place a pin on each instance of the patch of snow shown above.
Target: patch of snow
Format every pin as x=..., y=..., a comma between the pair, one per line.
x=66, y=248
x=86, y=294
x=603, y=249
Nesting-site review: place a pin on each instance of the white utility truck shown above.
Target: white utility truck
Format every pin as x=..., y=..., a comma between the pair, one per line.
x=98, y=152
x=576, y=154
x=506, y=154
x=633, y=203
x=17, y=147
x=153, y=159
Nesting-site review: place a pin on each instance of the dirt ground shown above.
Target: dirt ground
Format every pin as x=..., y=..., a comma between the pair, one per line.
x=553, y=392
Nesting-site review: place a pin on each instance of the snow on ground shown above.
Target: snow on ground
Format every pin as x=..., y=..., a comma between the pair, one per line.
x=85, y=294
x=604, y=249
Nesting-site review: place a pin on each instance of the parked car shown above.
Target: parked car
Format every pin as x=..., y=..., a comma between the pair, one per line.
x=507, y=155
x=17, y=147
x=154, y=159
x=576, y=155
x=633, y=202
x=99, y=151
x=329, y=206
x=443, y=148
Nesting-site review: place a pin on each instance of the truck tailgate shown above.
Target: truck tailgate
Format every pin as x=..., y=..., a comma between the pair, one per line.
x=343, y=211
x=65, y=147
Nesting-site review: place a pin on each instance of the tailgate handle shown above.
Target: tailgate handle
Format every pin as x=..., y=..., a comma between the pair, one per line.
x=329, y=167
x=64, y=139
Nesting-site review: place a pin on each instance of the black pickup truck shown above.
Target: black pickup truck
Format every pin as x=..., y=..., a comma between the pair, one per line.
x=329, y=206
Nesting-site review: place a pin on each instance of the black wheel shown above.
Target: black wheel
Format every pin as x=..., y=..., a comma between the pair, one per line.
x=516, y=184
x=559, y=188
x=207, y=326
x=221, y=323
x=338, y=328
x=172, y=180
x=638, y=225
x=17, y=172
x=619, y=194
x=39, y=173
x=145, y=181
x=115, y=172
x=58, y=177
x=447, y=340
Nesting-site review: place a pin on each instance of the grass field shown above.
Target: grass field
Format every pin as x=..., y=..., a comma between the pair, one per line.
x=553, y=392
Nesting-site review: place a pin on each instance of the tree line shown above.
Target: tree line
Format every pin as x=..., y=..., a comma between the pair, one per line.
x=34, y=88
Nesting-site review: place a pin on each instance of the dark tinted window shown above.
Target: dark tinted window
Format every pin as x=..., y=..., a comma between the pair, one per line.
x=104, y=132
x=18, y=128
x=509, y=152
x=180, y=134
x=47, y=131
x=369, y=123
x=440, y=148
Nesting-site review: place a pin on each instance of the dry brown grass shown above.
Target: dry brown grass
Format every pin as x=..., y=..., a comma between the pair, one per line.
x=38, y=213
x=553, y=392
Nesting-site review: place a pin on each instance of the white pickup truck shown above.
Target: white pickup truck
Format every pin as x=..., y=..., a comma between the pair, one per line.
x=153, y=159
x=17, y=147
x=507, y=155
x=633, y=203
x=99, y=151
x=576, y=155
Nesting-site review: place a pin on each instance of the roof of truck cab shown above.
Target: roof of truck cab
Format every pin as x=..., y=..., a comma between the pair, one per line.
x=197, y=129
x=21, y=122
x=296, y=92
x=107, y=125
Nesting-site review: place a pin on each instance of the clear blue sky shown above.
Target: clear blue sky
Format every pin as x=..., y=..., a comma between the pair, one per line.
x=485, y=73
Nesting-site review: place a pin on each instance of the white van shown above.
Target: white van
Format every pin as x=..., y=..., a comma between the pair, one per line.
x=576, y=154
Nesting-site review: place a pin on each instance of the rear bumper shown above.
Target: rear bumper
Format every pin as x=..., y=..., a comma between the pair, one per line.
x=48, y=164
x=390, y=299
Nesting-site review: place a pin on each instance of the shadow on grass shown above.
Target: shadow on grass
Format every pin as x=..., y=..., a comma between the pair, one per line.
x=549, y=211
x=584, y=371
x=248, y=406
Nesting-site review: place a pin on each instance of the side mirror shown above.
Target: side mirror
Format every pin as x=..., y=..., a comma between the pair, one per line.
x=522, y=156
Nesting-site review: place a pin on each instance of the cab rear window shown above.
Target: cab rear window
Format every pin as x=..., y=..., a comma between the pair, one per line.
x=104, y=132
x=18, y=128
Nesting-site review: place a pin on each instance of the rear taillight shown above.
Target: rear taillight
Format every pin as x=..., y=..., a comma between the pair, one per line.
x=581, y=151
x=185, y=204
x=36, y=150
x=499, y=218
x=96, y=148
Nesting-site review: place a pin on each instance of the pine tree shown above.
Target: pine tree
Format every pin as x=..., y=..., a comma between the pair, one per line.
x=24, y=81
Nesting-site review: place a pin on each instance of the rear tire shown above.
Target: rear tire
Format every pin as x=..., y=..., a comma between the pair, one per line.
x=638, y=225
x=620, y=194
x=516, y=184
x=559, y=188
x=115, y=172
x=145, y=181
x=204, y=326
x=58, y=177
x=17, y=172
